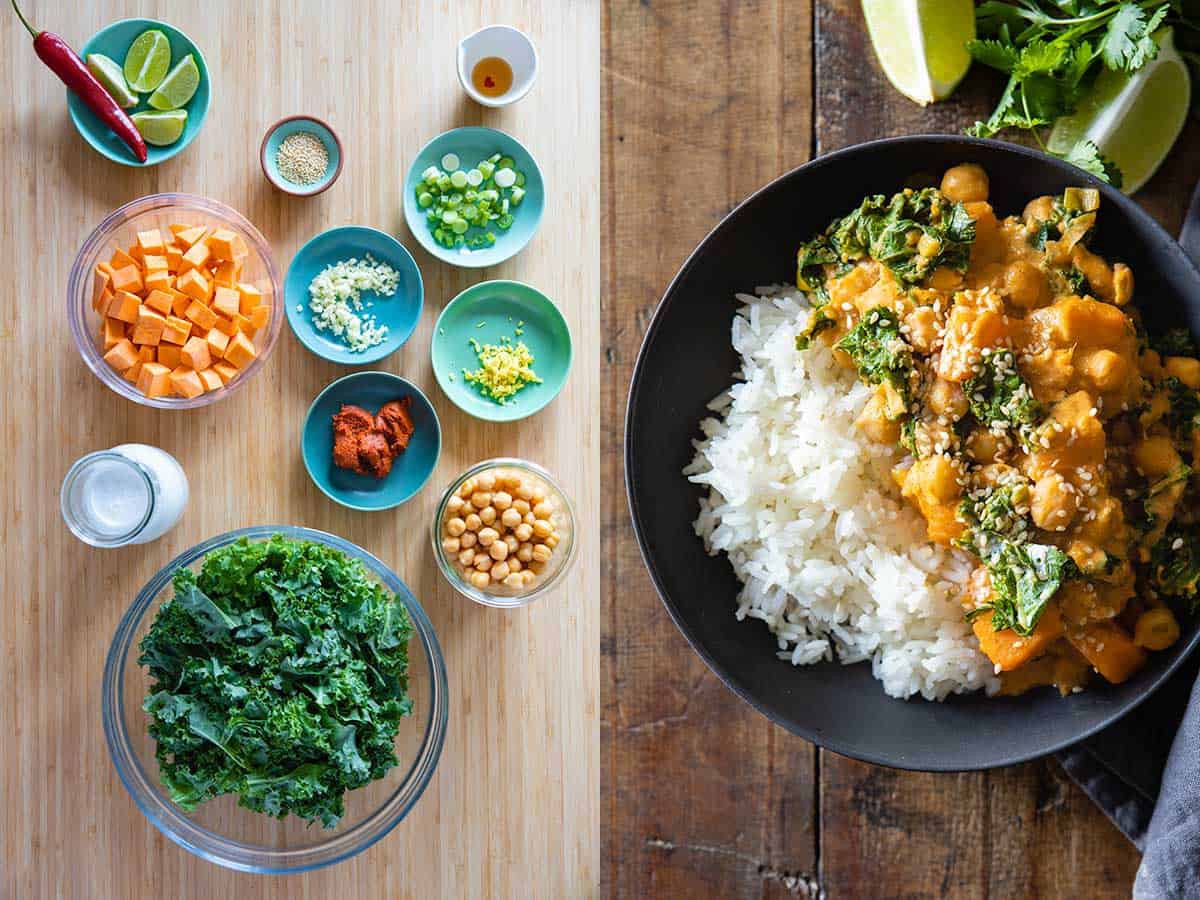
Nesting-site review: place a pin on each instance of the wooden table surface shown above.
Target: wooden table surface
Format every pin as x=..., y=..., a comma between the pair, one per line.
x=515, y=798
x=704, y=102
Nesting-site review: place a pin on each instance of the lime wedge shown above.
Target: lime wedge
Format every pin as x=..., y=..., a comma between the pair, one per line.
x=147, y=61
x=161, y=127
x=922, y=44
x=109, y=74
x=1133, y=119
x=179, y=86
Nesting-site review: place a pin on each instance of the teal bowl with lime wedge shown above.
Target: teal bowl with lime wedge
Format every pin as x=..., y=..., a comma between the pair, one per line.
x=163, y=85
x=501, y=314
x=474, y=197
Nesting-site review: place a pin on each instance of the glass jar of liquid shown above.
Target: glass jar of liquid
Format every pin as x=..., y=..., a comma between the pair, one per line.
x=130, y=494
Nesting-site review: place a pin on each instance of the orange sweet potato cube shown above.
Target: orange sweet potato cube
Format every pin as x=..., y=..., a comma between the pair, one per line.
x=133, y=372
x=250, y=297
x=190, y=236
x=243, y=324
x=147, y=353
x=154, y=380
x=225, y=372
x=104, y=302
x=196, y=256
x=226, y=302
x=201, y=315
x=160, y=301
x=120, y=259
x=154, y=262
x=100, y=281
x=170, y=355
x=179, y=302
x=259, y=316
x=124, y=306
x=226, y=326
x=176, y=331
x=150, y=241
x=222, y=242
x=127, y=278
x=195, y=284
x=240, y=351
x=226, y=273
x=121, y=355
x=159, y=281
x=195, y=353
x=217, y=342
x=174, y=258
x=150, y=319
x=186, y=383
x=112, y=332
x=210, y=379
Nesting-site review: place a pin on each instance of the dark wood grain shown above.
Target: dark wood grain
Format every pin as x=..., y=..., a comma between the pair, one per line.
x=704, y=102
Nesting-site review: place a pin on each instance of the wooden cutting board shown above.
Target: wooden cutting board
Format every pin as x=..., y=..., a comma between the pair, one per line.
x=516, y=795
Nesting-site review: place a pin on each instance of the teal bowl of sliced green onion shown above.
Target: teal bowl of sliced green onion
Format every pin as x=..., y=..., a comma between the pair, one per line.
x=474, y=197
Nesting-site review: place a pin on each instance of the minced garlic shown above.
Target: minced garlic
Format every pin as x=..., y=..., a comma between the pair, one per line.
x=336, y=304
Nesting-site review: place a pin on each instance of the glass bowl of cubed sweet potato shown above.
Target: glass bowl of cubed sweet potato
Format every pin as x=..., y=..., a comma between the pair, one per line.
x=174, y=301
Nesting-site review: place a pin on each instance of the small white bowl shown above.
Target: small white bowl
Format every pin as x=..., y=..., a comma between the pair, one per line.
x=511, y=45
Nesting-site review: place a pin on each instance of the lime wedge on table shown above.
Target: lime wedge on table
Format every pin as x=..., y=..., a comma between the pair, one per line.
x=179, y=86
x=1133, y=119
x=922, y=44
x=147, y=61
x=161, y=127
x=109, y=74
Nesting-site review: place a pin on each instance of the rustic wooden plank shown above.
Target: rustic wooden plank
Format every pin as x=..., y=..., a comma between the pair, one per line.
x=703, y=103
x=514, y=807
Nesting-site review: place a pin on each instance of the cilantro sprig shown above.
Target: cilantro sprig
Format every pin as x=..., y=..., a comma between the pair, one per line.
x=1052, y=51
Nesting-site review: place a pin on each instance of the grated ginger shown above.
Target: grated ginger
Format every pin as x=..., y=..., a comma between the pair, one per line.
x=504, y=369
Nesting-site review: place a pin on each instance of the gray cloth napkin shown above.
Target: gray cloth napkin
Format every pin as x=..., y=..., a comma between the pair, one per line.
x=1144, y=772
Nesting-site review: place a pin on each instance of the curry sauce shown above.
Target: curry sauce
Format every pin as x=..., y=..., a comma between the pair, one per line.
x=1044, y=432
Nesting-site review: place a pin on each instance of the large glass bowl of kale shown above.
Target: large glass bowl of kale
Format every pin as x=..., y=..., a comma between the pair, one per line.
x=275, y=699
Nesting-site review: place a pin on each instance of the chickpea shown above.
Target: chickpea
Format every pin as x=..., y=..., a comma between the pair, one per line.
x=551, y=541
x=466, y=509
x=487, y=515
x=1038, y=210
x=473, y=522
x=468, y=539
x=965, y=183
x=527, y=577
x=480, y=579
x=1096, y=270
x=1155, y=456
x=523, y=532
x=487, y=536
x=1185, y=369
x=538, y=497
x=541, y=528
x=541, y=553
x=480, y=499
x=502, y=500
x=499, y=571
x=514, y=564
x=525, y=492
x=1105, y=369
x=529, y=518
x=466, y=557
x=498, y=551
x=1156, y=629
x=467, y=488
x=511, y=482
x=521, y=506
x=1122, y=284
x=1054, y=503
x=946, y=398
x=536, y=568
x=483, y=562
x=454, y=504
x=1025, y=284
x=543, y=510
x=944, y=278
x=451, y=544
x=486, y=481
x=525, y=552
x=510, y=518
x=455, y=527
x=511, y=542
x=513, y=580
x=922, y=328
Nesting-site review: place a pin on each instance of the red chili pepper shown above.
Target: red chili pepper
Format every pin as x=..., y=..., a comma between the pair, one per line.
x=66, y=64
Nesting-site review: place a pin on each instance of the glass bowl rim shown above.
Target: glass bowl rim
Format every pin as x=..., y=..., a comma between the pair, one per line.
x=499, y=601
x=230, y=853
x=81, y=272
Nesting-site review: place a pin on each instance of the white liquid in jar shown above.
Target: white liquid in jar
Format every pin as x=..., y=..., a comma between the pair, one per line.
x=131, y=494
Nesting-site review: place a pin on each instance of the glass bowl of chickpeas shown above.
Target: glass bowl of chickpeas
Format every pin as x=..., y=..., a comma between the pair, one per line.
x=504, y=532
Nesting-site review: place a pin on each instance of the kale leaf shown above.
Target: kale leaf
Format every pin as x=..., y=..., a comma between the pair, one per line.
x=991, y=515
x=1025, y=577
x=811, y=260
x=1175, y=564
x=1174, y=342
x=999, y=397
x=817, y=323
x=1184, y=413
x=878, y=350
x=280, y=674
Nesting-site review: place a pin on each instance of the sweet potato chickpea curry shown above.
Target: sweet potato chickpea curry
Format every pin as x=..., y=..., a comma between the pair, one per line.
x=1044, y=432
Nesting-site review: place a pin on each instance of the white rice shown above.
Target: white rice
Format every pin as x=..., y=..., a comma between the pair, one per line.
x=829, y=555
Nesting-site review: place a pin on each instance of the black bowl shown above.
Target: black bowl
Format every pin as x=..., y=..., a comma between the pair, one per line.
x=686, y=360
